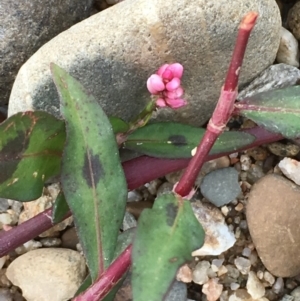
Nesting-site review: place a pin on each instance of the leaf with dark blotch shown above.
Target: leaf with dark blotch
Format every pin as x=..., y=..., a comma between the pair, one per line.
x=166, y=236
x=175, y=140
x=118, y=125
x=278, y=110
x=31, y=145
x=92, y=177
x=60, y=208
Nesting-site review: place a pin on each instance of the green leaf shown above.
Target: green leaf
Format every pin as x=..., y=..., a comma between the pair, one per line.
x=124, y=240
x=278, y=110
x=166, y=236
x=31, y=145
x=118, y=125
x=175, y=140
x=92, y=177
x=60, y=208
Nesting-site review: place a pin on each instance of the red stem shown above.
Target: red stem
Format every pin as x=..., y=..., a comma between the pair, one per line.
x=223, y=110
x=108, y=279
x=137, y=171
x=245, y=28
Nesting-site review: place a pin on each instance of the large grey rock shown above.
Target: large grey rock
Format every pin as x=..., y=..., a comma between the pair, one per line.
x=113, y=52
x=48, y=274
x=26, y=25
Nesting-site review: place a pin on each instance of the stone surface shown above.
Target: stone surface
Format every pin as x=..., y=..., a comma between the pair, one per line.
x=41, y=204
x=221, y=186
x=275, y=77
x=291, y=169
x=254, y=287
x=283, y=150
x=113, y=53
x=288, y=51
x=293, y=20
x=212, y=289
x=55, y=273
x=218, y=237
x=273, y=216
x=3, y=205
x=69, y=239
x=27, y=25
x=5, y=295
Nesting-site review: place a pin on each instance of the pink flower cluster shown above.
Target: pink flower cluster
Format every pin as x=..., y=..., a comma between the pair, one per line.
x=166, y=84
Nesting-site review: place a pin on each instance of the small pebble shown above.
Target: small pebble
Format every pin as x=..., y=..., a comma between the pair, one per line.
x=239, y=295
x=69, y=239
x=296, y=293
x=28, y=246
x=200, y=272
x=258, y=153
x=50, y=242
x=3, y=205
x=278, y=285
x=232, y=272
x=254, y=287
x=222, y=270
x=246, y=252
x=291, y=169
x=185, y=274
x=164, y=188
x=5, y=219
x=283, y=150
x=243, y=265
x=288, y=52
x=287, y=298
x=221, y=186
x=212, y=289
x=225, y=210
x=5, y=295
x=260, y=275
x=234, y=286
x=2, y=262
x=134, y=196
x=290, y=283
x=269, y=278
x=239, y=207
x=245, y=162
x=217, y=262
x=129, y=221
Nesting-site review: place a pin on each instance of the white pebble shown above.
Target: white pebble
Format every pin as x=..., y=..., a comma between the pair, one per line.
x=243, y=265
x=134, y=196
x=222, y=270
x=5, y=219
x=296, y=293
x=217, y=262
x=246, y=252
x=260, y=275
x=269, y=277
x=254, y=287
x=225, y=210
x=28, y=246
x=200, y=272
x=291, y=169
x=234, y=286
x=245, y=162
x=278, y=285
x=288, y=52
